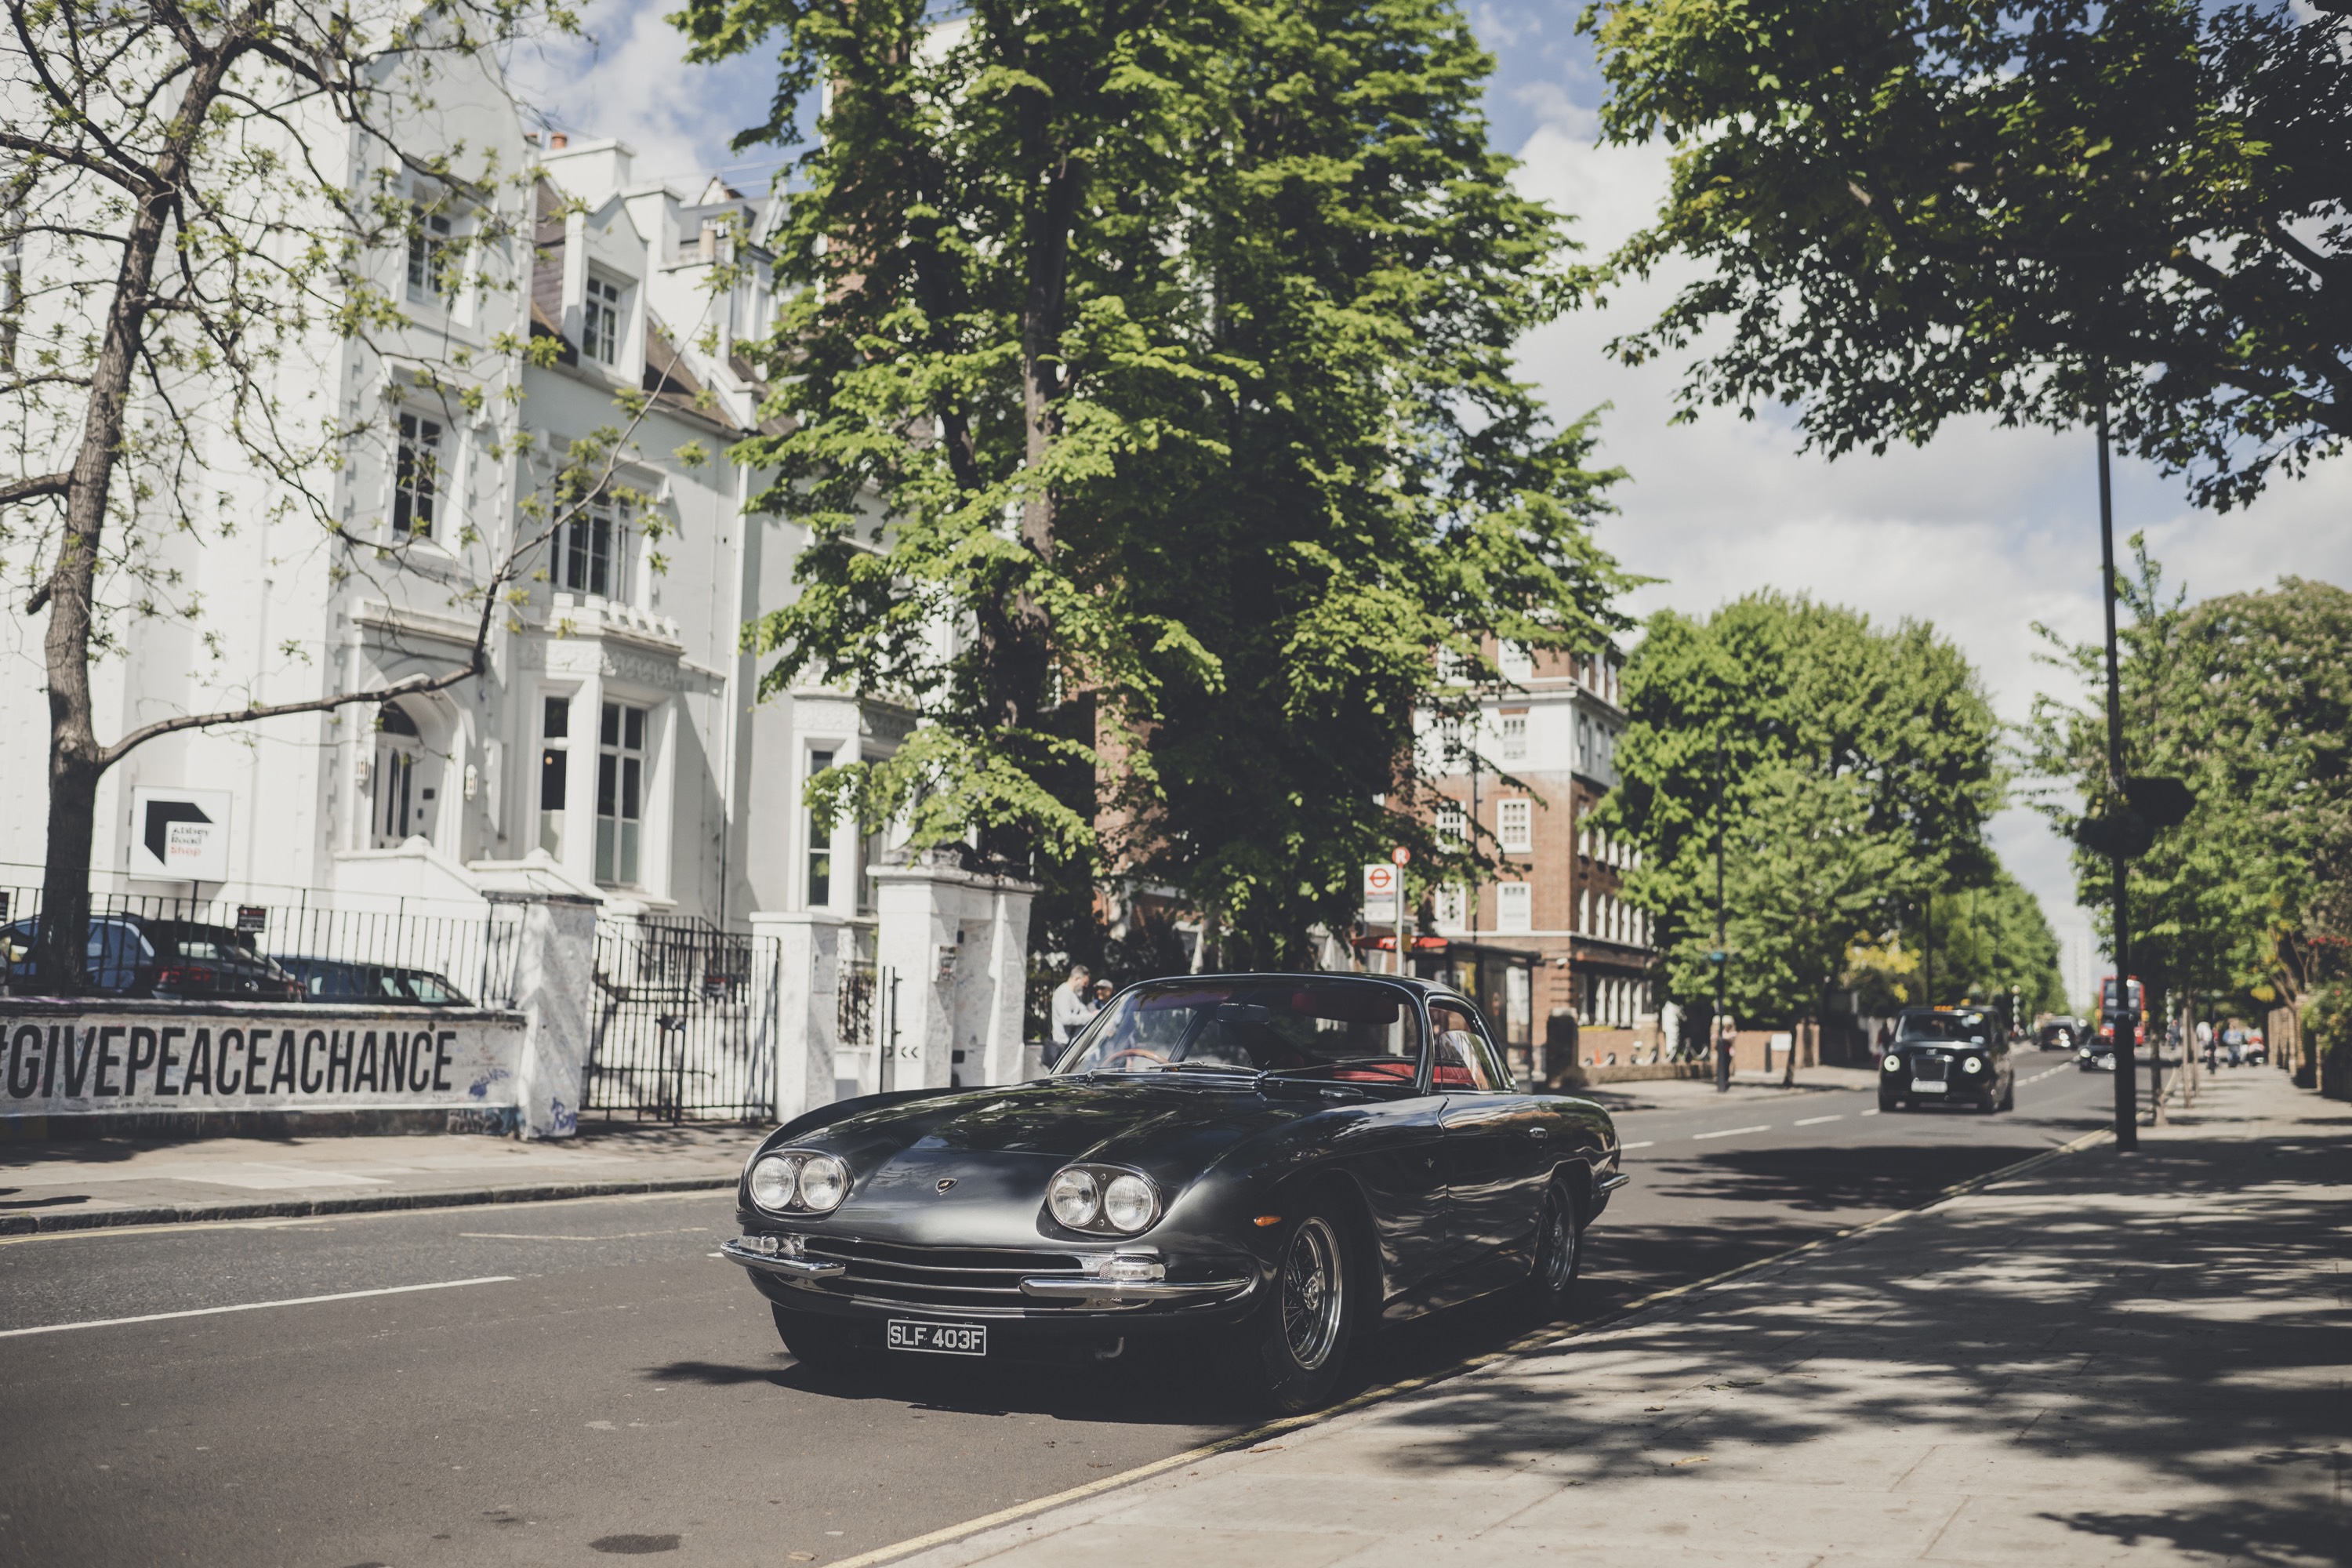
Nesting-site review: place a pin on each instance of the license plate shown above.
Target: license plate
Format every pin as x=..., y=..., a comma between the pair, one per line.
x=938, y=1339
x=1929, y=1086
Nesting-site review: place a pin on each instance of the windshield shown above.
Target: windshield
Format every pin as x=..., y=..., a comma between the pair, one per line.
x=1359, y=1029
x=1943, y=1026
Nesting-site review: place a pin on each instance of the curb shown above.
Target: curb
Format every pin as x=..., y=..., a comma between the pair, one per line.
x=1549, y=1336
x=304, y=1208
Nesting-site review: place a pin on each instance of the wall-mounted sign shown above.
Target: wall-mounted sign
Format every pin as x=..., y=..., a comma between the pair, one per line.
x=63, y=1059
x=180, y=835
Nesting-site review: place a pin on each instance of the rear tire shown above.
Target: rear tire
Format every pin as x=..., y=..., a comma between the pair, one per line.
x=818, y=1343
x=1286, y=1355
x=1559, y=1254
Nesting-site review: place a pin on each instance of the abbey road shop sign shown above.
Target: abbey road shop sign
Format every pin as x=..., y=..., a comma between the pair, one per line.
x=65, y=1059
x=180, y=835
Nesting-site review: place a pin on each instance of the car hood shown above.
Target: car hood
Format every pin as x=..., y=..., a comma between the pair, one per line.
x=997, y=1147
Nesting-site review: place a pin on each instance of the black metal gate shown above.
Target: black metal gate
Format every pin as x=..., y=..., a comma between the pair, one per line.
x=867, y=1015
x=676, y=1028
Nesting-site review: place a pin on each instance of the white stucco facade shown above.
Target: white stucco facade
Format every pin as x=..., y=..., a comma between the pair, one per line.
x=615, y=747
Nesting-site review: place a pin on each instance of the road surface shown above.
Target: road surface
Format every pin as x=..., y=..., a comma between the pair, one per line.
x=568, y=1382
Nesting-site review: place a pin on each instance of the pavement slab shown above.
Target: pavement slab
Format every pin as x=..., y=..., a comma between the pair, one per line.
x=2113, y=1359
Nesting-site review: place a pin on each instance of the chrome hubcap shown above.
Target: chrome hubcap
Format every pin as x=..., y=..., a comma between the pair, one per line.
x=1311, y=1292
x=1559, y=1245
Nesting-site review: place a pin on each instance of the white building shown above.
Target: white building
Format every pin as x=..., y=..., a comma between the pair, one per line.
x=615, y=747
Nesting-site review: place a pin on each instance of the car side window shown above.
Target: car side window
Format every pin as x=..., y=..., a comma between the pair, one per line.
x=1466, y=1061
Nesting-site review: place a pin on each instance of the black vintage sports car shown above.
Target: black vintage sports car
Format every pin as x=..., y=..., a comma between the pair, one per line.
x=1947, y=1056
x=1274, y=1163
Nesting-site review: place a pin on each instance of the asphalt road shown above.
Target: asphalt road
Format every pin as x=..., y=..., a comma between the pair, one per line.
x=589, y=1381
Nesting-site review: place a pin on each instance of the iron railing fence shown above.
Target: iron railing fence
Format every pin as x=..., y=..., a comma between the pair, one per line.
x=677, y=1036
x=866, y=1015
x=140, y=945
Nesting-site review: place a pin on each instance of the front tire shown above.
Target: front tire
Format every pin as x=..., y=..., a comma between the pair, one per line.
x=1560, y=1253
x=1889, y=1102
x=1286, y=1355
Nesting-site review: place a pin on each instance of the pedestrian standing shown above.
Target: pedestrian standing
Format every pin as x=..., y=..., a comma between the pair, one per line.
x=1073, y=1008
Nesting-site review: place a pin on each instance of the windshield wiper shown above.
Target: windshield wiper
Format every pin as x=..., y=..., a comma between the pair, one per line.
x=1228, y=1069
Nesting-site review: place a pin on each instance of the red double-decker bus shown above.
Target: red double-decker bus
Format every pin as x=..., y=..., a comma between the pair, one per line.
x=2112, y=997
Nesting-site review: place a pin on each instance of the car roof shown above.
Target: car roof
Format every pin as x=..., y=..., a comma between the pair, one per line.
x=1305, y=977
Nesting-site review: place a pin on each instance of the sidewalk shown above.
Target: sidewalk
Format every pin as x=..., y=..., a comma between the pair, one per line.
x=2110, y=1359
x=90, y=1182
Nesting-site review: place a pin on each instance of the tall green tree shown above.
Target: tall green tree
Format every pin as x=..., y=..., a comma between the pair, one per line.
x=1909, y=210
x=1149, y=393
x=2248, y=697
x=1854, y=763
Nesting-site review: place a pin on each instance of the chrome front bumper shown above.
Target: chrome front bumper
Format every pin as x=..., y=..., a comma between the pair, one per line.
x=1079, y=1290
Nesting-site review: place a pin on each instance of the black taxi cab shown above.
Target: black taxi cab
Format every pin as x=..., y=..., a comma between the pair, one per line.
x=1947, y=1056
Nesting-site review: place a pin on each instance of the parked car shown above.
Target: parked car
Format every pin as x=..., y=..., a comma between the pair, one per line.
x=1269, y=1164
x=1946, y=1055
x=136, y=955
x=343, y=980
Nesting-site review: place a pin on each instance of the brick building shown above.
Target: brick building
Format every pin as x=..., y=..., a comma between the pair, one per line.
x=1539, y=755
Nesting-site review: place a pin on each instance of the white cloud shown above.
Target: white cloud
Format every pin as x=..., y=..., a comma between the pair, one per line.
x=628, y=79
x=1984, y=531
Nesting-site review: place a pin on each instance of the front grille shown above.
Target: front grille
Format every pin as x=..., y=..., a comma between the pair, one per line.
x=939, y=1278
x=1932, y=1068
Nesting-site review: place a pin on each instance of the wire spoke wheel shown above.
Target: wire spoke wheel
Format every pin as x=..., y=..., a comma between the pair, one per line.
x=1312, y=1286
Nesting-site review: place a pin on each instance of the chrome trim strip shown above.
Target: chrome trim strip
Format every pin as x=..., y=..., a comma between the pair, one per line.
x=1613, y=1181
x=1131, y=1291
x=789, y=1268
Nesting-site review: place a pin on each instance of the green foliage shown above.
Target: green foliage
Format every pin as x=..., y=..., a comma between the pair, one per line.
x=1987, y=943
x=1150, y=403
x=1857, y=767
x=2248, y=697
x=1909, y=210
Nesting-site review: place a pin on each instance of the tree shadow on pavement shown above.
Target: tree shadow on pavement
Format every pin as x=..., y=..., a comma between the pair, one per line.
x=2143, y=1349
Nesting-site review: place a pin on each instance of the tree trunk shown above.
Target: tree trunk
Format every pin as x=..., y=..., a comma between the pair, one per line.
x=77, y=760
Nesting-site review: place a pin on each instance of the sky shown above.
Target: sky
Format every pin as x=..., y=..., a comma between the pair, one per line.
x=1984, y=531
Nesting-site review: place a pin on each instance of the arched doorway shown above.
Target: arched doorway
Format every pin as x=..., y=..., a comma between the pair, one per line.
x=403, y=807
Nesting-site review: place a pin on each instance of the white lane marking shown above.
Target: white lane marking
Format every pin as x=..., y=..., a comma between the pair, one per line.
x=257, y=1306
x=543, y=1236
x=1817, y=1121
x=1645, y=1144
x=1872, y=1111
x=1730, y=1132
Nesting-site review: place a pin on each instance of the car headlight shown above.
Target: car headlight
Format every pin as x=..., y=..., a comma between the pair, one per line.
x=1128, y=1202
x=1075, y=1196
x=1973, y=1063
x=773, y=1179
x=797, y=1182
x=1103, y=1198
x=1890, y=1062
x=824, y=1182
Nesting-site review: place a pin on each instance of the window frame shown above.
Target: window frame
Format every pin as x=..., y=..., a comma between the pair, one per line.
x=620, y=861
x=599, y=530
x=1519, y=808
x=598, y=311
x=1521, y=893
x=1496, y=1064
x=417, y=510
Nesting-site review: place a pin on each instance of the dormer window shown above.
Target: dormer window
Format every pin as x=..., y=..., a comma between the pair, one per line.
x=600, y=331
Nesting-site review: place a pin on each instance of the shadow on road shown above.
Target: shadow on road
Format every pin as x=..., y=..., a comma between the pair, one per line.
x=2097, y=1336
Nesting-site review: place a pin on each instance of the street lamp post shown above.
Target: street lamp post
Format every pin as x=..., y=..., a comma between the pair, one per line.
x=1722, y=1044
x=2125, y=1017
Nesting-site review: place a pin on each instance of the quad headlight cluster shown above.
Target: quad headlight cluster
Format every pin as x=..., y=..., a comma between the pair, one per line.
x=1103, y=1198
x=795, y=1180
